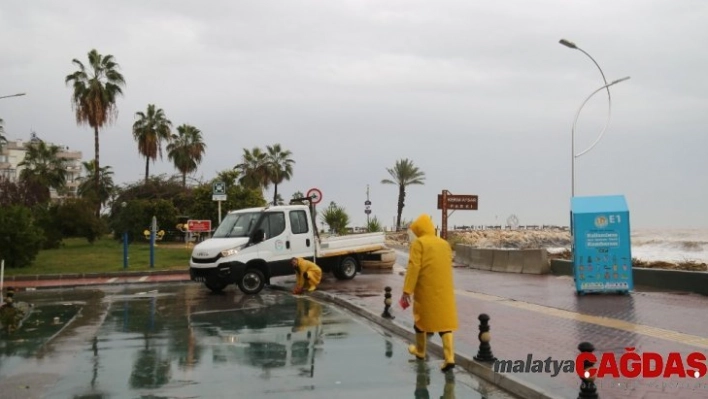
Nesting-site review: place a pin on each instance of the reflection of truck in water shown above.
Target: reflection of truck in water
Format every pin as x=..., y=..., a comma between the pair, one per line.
x=253, y=245
x=269, y=333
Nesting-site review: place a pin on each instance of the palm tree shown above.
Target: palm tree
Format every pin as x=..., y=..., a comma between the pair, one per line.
x=151, y=128
x=255, y=169
x=403, y=174
x=280, y=167
x=186, y=150
x=94, y=97
x=43, y=167
x=336, y=218
x=106, y=187
x=296, y=198
x=228, y=176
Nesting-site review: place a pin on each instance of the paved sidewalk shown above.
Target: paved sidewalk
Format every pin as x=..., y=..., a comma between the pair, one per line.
x=530, y=315
x=542, y=316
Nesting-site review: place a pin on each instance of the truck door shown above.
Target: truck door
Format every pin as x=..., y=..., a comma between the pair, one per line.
x=300, y=236
x=274, y=249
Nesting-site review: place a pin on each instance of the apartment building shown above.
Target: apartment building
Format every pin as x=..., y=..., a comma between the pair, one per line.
x=13, y=152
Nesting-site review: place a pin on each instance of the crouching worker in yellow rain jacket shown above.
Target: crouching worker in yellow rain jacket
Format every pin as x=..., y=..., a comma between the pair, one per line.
x=308, y=275
x=429, y=280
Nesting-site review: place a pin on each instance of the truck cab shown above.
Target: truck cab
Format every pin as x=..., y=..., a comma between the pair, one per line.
x=252, y=245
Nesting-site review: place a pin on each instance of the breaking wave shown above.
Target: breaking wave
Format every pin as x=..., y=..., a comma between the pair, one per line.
x=670, y=245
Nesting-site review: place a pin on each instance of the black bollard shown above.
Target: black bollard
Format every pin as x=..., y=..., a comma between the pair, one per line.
x=387, y=304
x=485, y=349
x=588, y=390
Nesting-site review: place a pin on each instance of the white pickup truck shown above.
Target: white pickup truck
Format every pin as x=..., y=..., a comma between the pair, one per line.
x=253, y=245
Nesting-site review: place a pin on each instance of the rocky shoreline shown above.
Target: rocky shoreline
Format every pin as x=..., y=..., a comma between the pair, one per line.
x=556, y=242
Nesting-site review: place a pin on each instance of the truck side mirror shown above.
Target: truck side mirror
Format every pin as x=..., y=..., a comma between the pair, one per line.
x=258, y=236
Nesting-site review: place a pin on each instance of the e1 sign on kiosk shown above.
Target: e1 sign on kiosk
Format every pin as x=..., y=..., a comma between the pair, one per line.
x=602, y=254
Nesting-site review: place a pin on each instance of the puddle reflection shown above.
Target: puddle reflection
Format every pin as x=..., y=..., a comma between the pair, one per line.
x=185, y=342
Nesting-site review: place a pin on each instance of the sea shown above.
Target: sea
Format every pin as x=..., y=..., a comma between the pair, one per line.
x=670, y=245
x=651, y=245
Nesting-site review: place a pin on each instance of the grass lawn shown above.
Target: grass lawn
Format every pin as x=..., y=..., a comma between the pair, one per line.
x=76, y=255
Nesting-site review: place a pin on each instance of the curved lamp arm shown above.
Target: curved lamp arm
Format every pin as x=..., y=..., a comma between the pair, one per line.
x=572, y=45
x=13, y=95
x=607, y=86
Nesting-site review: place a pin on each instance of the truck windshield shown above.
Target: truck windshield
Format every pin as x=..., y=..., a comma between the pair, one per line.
x=237, y=225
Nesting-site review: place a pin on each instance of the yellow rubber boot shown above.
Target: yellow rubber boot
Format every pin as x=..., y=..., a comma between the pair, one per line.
x=449, y=390
x=448, y=352
x=418, y=350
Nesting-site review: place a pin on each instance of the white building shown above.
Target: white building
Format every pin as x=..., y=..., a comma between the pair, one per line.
x=13, y=152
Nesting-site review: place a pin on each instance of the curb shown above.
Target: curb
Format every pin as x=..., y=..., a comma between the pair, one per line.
x=77, y=276
x=506, y=382
x=73, y=281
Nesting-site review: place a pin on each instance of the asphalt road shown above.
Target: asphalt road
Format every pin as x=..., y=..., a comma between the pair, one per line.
x=180, y=341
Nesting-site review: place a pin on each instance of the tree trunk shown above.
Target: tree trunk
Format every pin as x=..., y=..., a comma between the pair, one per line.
x=184, y=180
x=97, y=175
x=275, y=194
x=401, y=199
x=147, y=168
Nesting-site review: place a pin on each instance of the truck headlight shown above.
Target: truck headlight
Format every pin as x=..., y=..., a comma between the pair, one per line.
x=231, y=251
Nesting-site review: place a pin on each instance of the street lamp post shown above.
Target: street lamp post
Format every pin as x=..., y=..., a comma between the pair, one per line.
x=125, y=238
x=606, y=87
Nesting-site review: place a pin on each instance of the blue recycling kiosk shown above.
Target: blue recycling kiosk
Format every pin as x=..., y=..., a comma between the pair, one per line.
x=602, y=253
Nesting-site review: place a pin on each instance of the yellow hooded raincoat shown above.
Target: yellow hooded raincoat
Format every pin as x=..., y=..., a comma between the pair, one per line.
x=314, y=273
x=429, y=279
x=309, y=314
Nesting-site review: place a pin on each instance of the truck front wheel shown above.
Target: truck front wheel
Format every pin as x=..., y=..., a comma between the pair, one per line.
x=346, y=270
x=252, y=282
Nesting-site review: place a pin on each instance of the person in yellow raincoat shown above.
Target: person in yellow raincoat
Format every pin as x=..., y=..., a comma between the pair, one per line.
x=429, y=280
x=308, y=315
x=308, y=275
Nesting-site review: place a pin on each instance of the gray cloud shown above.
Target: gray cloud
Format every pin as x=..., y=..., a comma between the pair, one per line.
x=480, y=95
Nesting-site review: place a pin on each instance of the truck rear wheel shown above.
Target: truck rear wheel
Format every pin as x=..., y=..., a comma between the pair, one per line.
x=346, y=269
x=216, y=286
x=252, y=282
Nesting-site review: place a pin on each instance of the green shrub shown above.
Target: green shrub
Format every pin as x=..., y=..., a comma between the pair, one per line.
x=374, y=225
x=336, y=218
x=20, y=238
x=76, y=218
x=45, y=218
x=137, y=215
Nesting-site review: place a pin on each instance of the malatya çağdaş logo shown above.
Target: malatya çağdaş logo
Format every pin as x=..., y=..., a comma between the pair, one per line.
x=630, y=364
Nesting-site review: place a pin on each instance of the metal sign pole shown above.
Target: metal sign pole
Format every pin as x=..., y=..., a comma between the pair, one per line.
x=317, y=232
x=367, y=203
x=153, y=232
x=443, y=233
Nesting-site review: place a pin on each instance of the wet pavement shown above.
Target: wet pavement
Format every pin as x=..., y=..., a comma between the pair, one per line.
x=177, y=340
x=539, y=316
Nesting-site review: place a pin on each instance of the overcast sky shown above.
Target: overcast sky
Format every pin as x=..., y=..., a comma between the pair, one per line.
x=479, y=94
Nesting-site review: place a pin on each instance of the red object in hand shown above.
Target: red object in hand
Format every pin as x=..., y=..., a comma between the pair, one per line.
x=404, y=304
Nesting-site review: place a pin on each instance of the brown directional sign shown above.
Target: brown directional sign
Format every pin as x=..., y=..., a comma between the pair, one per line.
x=448, y=201
x=468, y=202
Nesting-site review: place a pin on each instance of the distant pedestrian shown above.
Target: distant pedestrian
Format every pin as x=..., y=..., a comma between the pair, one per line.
x=308, y=275
x=429, y=280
